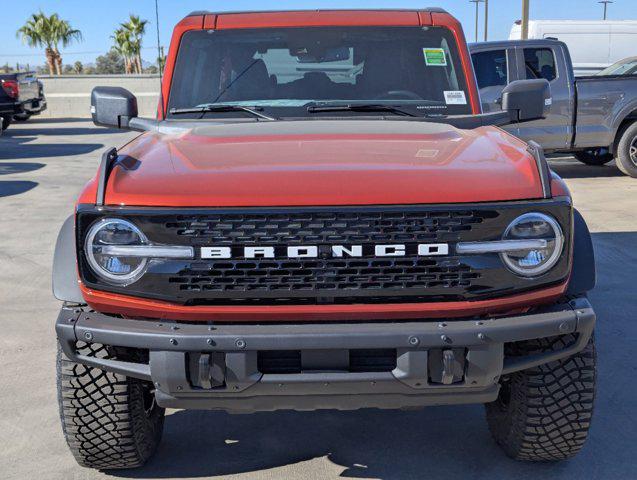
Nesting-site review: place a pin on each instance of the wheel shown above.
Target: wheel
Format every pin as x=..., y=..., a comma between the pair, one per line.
x=544, y=413
x=6, y=121
x=595, y=157
x=109, y=421
x=627, y=150
x=21, y=117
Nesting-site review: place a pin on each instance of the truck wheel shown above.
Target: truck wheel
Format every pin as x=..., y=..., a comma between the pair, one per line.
x=6, y=121
x=544, y=413
x=627, y=151
x=109, y=420
x=595, y=157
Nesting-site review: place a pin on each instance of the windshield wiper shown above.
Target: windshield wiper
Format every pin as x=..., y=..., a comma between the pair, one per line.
x=220, y=108
x=359, y=107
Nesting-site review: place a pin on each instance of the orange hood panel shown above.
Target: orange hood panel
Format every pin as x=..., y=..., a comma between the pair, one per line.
x=338, y=162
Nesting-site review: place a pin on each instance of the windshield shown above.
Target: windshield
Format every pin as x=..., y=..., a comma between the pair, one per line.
x=628, y=66
x=283, y=71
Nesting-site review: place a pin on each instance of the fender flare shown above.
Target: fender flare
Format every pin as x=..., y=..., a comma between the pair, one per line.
x=66, y=285
x=623, y=115
x=583, y=274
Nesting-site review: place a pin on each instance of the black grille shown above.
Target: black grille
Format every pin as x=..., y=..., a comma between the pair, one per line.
x=325, y=227
x=328, y=276
x=327, y=279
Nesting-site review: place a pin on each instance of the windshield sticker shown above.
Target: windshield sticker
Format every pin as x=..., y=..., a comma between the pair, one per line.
x=435, y=57
x=455, y=97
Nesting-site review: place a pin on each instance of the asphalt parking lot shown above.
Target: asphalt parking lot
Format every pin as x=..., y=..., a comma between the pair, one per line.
x=43, y=166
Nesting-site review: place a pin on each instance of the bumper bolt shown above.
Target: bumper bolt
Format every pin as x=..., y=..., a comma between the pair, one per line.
x=445, y=338
x=482, y=336
x=88, y=336
x=413, y=341
x=240, y=343
x=563, y=327
x=209, y=341
x=173, y=341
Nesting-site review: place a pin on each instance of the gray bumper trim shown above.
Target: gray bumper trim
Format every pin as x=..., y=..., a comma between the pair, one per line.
x=247, y=389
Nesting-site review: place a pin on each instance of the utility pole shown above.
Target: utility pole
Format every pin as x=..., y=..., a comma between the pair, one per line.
x=486, y=19
x=477, y=2
x=525, y=19
x=605, y=2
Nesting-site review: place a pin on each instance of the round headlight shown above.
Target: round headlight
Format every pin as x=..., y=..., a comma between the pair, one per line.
x=536, y=261
x=120, y=270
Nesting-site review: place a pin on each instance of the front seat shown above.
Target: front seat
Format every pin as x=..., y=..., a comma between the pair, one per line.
x=254, y=83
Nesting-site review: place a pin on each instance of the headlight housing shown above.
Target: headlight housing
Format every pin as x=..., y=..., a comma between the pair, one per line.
x=534, y=262
x=116, y=269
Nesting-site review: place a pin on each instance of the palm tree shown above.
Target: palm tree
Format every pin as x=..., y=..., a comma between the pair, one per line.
x=125, y=47
x=45, y=31
x=66, y=35
x=137, y=28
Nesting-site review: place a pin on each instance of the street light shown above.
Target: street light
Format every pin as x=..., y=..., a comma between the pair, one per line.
x=605, y=2
x=486, y=19
x=477, y=2
x=525, y=20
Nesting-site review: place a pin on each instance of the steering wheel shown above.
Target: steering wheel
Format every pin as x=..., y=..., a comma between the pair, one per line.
x=404, y=94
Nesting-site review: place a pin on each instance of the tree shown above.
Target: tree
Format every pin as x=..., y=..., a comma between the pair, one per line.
x=161, y=60
x=47, y=32
x=136, y=27
x=78, y=67
x=111, y=63
x=66, y=35
x=124, y=47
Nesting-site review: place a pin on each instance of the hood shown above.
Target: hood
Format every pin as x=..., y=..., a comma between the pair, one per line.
x=319, y=162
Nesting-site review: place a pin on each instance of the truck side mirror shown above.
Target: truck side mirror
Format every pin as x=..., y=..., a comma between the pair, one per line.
x=113, y=107
x=527, y=99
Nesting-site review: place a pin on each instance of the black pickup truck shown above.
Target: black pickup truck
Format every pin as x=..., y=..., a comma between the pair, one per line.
x=594, y=118
x=21, y=96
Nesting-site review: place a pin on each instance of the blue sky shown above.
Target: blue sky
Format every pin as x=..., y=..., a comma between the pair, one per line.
x=98, y=18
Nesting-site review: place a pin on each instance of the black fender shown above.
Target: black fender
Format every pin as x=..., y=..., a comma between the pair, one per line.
x=66, y=286
x=583, y=275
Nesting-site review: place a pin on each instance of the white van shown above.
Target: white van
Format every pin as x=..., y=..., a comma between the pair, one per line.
x=593, y=44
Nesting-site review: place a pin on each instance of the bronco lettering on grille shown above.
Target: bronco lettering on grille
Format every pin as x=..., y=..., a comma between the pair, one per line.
x=336, y=251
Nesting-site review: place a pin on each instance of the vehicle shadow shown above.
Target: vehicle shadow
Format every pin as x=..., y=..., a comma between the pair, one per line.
x=37, y=120
x=14, y=167
x=16, y=149
x=15, y=187
x=572, y=169
x=436, y=442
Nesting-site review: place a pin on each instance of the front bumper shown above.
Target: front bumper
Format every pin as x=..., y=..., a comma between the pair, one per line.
x=213, y=366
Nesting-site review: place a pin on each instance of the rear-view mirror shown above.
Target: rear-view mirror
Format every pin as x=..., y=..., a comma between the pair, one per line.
x=113, y=107
x=526, y=100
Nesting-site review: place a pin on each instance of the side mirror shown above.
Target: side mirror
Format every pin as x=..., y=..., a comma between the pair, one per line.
x=527, y=99
x=113, y=107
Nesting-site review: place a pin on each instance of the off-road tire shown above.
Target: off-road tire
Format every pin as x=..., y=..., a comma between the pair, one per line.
x=595, y=157
x=627, y=150
x=544, y=413
x=6, y=121
x=108, y=420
